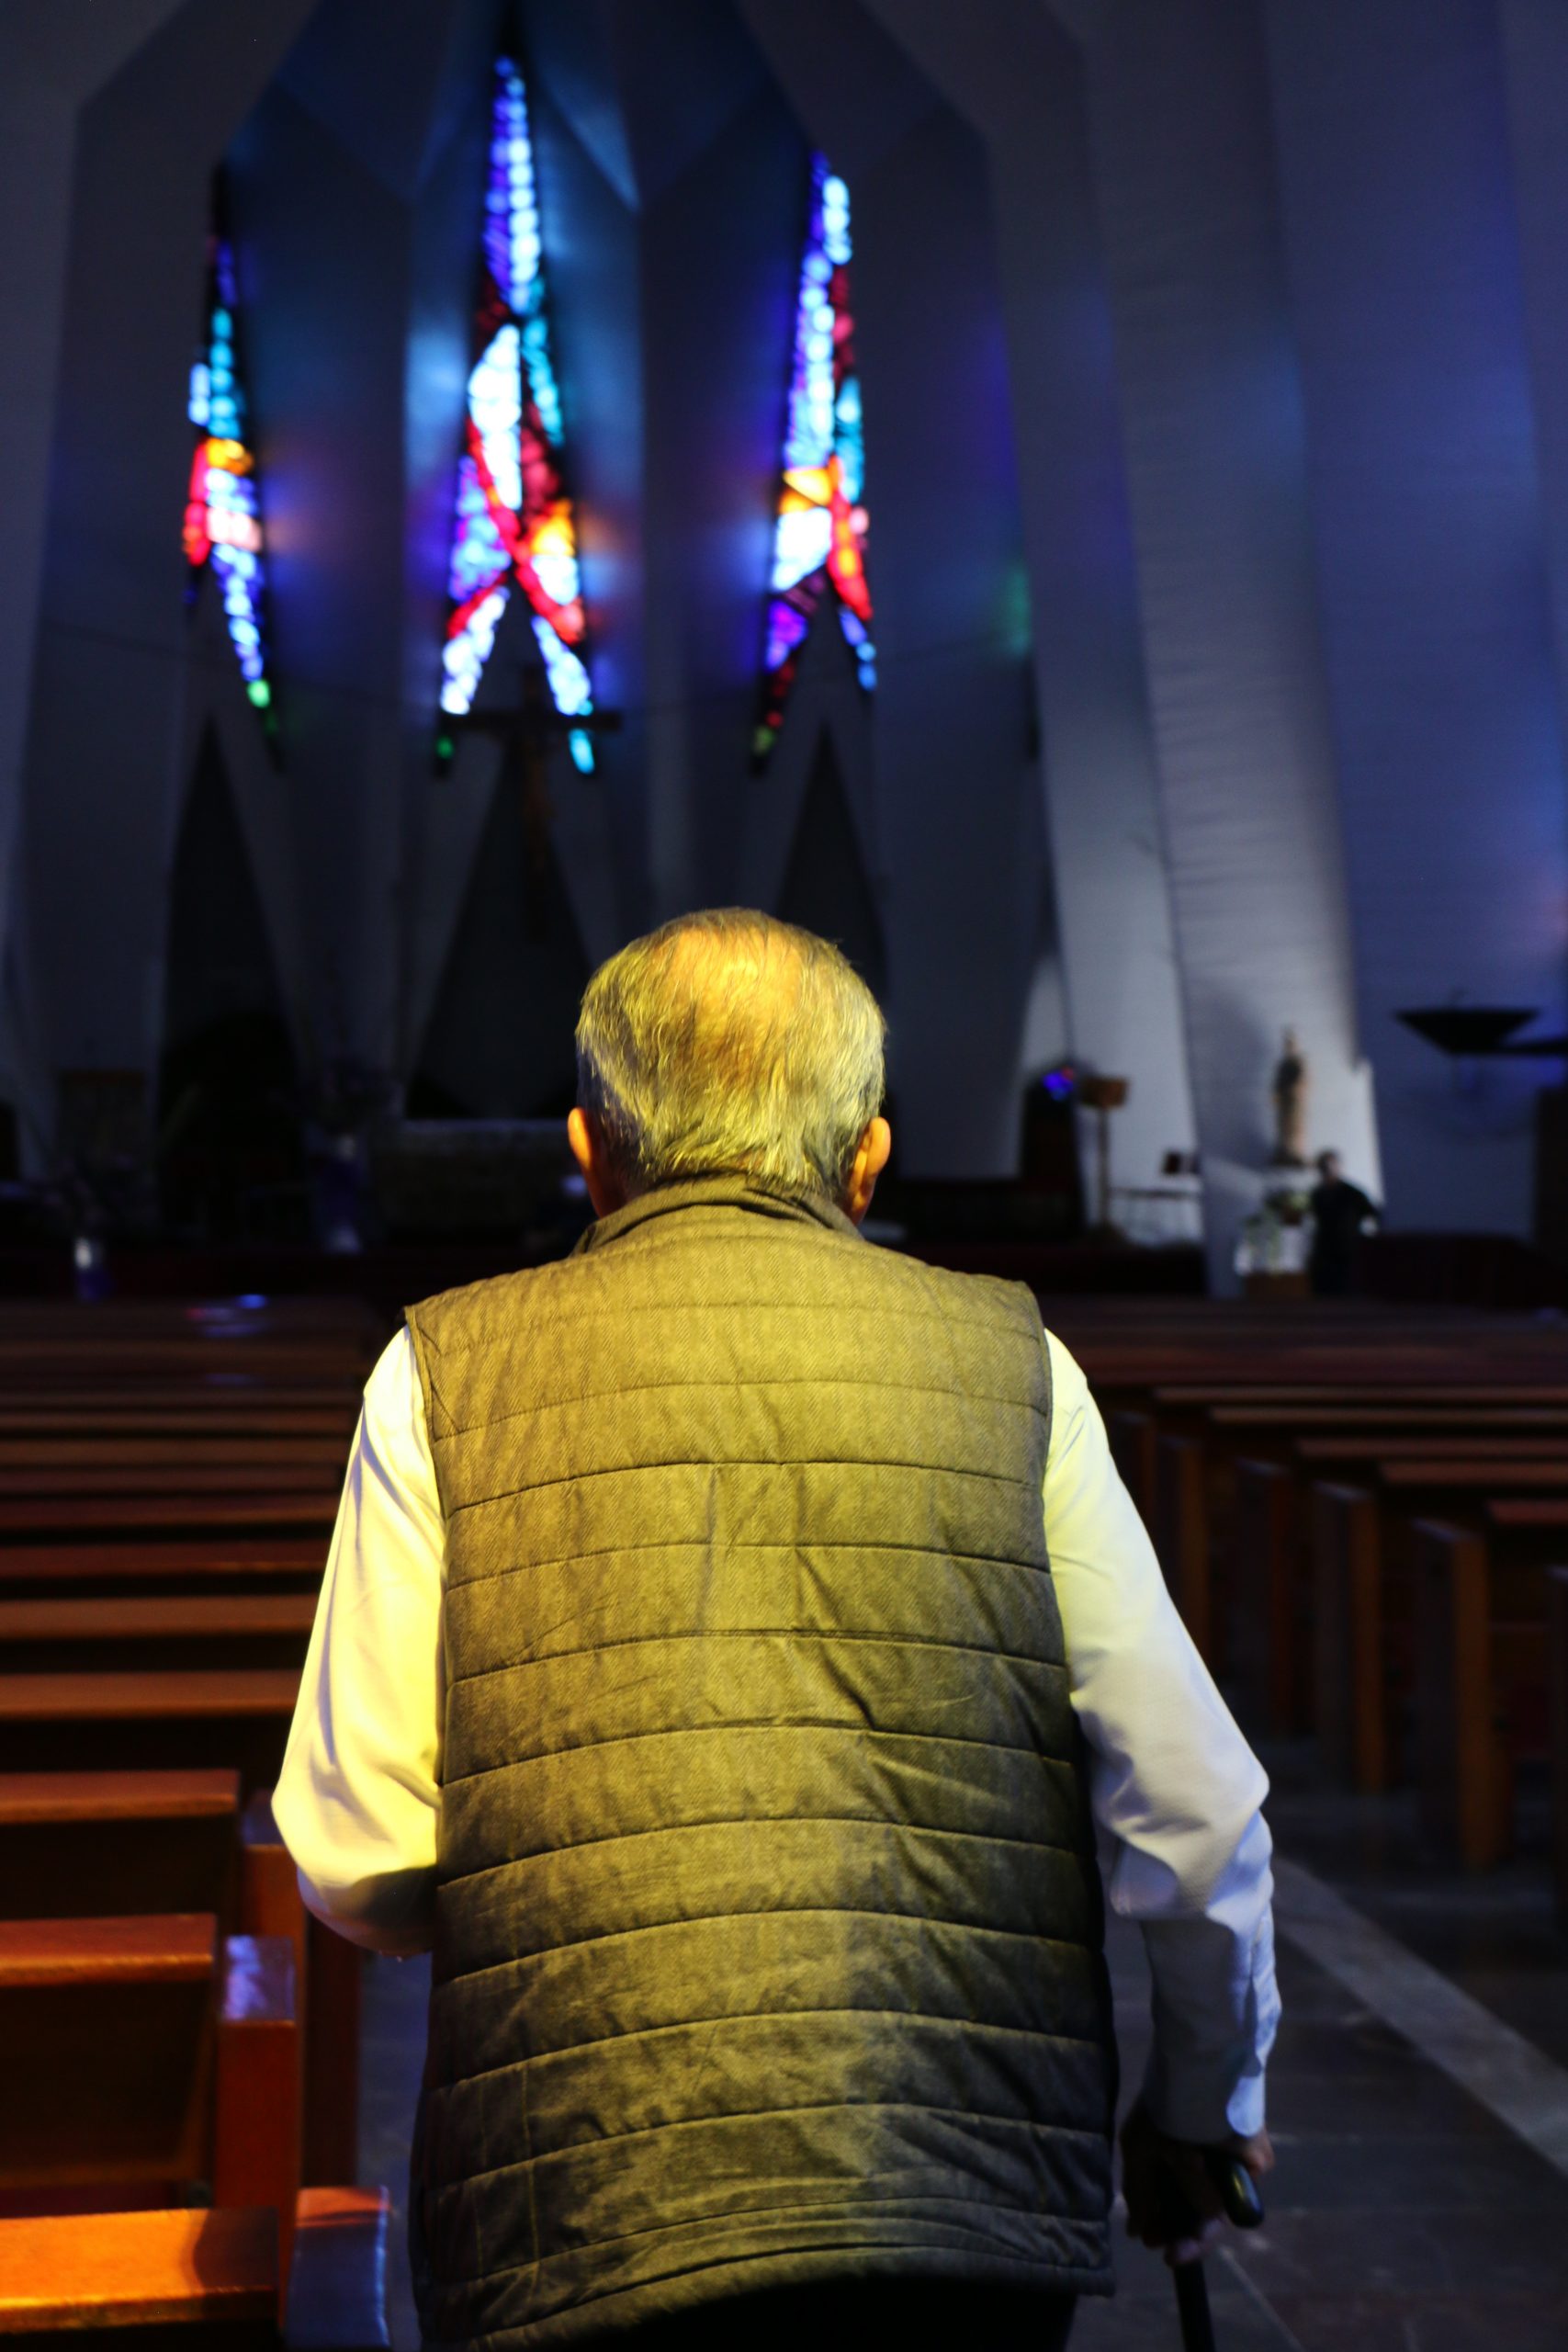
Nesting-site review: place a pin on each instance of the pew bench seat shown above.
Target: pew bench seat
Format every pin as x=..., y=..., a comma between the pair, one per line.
x=179, y=1718
x=216, y=1564
x=211, y=2274
x=191, y=1630
x=116, y=2277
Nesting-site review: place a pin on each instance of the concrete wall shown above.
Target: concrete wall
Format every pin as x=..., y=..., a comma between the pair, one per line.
x=1399, y=209
x=1214, y=372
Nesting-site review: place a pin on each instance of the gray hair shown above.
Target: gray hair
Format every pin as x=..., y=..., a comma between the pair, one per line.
x=728, y=1043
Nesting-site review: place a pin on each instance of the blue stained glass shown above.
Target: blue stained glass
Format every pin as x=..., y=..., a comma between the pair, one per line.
x=476, y=551
x=466, y=654
x=569, y=690
x=820, y=523
x=222, y=519
x=786, y=629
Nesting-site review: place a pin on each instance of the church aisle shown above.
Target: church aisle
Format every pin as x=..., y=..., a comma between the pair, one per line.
x=1403, y=2213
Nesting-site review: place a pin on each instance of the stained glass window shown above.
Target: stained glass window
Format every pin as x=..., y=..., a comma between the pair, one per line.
x=820, y=531
x=222, y=523
x=514, y=526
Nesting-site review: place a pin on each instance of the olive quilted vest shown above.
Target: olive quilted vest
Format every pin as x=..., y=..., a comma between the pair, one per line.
x=769, y=1924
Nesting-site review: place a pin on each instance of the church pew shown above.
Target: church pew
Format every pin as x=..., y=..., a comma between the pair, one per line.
x=1348, y=1712
x=76, y=1635
x=210, y=1402
x=1479, y=1662
x=145, y=2052
x=1359, y=1587
x=182, y=1482
x=40, y=1366
x=215, y=1563
x=1129, y=1376
x=83, y=1844
x=1490, y=1666
x=48, y=1425
x=1227, y=1420
x=1269, y=1655
x=1180, y=1531
x=1236, y=1422
x=1284, y=1396
x=110, y=1516
x=1194, y=1486
x=74, y=1843
x=158, y=1719
x=199, y=2278
x=1557, y=1645
x=330, y=1972
x=109, y=2027
x=140, y=1451
x=334, y=1313
x=257, y=2125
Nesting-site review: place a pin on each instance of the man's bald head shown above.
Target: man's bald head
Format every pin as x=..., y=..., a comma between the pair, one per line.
x=727, y=1043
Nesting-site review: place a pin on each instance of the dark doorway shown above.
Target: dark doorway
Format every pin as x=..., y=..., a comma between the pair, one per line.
x=826, y=888
x=500, y=1041
x=229, y=1158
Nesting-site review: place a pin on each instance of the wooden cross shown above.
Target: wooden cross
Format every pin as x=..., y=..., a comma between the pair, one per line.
x=525, y=734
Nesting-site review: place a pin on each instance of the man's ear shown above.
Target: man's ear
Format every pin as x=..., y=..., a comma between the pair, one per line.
x=605, y=1189
x=870, y=1159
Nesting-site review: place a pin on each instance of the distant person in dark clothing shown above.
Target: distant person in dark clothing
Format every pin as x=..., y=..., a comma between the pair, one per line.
x=1341, y=1213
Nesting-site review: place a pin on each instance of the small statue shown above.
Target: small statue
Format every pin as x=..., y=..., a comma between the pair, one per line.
x=1292, y=1082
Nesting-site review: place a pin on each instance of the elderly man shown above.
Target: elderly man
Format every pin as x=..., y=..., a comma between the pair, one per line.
x=733, y=1637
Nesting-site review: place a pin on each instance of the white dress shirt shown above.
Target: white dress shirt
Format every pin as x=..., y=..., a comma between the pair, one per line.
x=1174, y=1787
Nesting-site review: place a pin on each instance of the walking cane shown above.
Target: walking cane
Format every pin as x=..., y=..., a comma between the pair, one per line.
x=1244, y=2208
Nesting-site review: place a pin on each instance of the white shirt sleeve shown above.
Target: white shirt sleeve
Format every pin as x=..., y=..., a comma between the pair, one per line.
x=1174, y=1787
x=358, y=1801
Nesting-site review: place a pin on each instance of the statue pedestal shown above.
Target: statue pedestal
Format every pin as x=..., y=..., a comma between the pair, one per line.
x=1275, y=1239
x=1275, y=1285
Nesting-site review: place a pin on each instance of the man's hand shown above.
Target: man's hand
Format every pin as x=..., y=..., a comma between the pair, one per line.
x=1166, y=2185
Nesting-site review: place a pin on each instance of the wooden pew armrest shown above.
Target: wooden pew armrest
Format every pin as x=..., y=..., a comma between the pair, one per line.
x=257, y=2131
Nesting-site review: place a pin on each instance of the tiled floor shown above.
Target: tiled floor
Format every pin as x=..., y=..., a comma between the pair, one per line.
x=1403, y=2217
